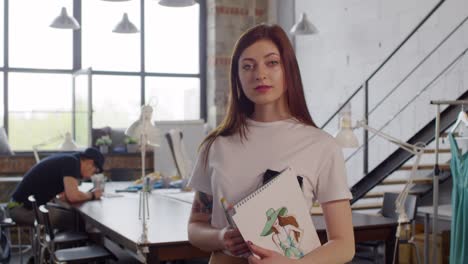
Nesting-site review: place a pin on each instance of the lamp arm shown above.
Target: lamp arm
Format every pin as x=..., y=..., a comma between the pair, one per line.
x=413, y=149
x=47, y=142
x=401, y=199
x=416, y=150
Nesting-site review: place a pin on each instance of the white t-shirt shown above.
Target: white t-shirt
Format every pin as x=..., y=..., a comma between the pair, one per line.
x=235, y=168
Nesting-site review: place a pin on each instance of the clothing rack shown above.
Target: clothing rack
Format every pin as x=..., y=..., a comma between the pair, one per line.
x=435, y=198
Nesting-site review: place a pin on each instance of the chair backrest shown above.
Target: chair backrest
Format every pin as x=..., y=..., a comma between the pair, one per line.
x=35, y=208
x=45, y=218
x=4, y=144
x=388, y=209
x=175, y=140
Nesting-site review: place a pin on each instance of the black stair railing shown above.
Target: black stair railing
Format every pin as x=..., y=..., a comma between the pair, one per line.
x=400, y=156
x=365, y=87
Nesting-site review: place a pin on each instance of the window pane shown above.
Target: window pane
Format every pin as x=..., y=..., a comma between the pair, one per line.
x=2, y=113
x=82, y=124
x=174, y=98
x=41, y=115
x=1, y=34
x=116, y=100
x=177, y=51
x=33, y=44
x=104, y=49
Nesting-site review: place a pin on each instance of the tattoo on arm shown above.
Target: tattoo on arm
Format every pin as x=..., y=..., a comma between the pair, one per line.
x=203, y=203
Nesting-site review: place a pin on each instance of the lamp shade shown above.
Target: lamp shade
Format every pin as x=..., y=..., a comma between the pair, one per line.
x=68, y=143
x=346, y=138
x=64, y=21
x=303, y=27
x=125, y=26
x=177, y=3
x=143, y=129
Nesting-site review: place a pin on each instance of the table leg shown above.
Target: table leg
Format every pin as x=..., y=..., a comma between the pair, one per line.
x=426, y=238
x=390, y=248
x=152, y=257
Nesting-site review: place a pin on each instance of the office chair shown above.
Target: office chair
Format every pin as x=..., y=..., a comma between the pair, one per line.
x=61, y=239
x=82, y=254
x=388, y=210
x=175, y=139
x=6, y=247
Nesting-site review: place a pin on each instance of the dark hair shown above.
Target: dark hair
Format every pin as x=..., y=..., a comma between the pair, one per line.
x=239, y=106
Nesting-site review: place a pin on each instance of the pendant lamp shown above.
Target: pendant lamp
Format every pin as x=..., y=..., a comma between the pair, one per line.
x=125, y=26
x=64, y=21
x=303, y=27
x=177, y=3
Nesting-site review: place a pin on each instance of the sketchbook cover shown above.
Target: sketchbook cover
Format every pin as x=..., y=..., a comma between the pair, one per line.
x=276, y=217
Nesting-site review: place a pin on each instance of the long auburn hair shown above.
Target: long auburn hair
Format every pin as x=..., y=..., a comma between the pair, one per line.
x=287, y=220
x=239, y=106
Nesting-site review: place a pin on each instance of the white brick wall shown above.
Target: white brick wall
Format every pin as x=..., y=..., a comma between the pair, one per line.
x=355, y=37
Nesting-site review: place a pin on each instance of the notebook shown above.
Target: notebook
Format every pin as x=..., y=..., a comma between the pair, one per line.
x=275, y=216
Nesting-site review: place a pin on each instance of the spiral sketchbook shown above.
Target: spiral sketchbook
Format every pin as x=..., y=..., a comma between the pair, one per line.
x=275, y=216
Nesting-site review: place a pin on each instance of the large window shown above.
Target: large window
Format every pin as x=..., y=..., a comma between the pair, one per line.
x=2, y=114
x=39, y=108
x=175, y=48
x=174, y=98
x=160, y=66
x=104, y=49
x=1, y=36
x=33, y=44
x=116, y=100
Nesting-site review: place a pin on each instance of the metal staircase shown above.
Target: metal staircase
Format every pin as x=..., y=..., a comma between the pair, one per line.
x=368, y=191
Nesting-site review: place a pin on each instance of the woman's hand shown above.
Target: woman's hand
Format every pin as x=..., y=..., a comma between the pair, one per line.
x=233, y=242
x=266, y=256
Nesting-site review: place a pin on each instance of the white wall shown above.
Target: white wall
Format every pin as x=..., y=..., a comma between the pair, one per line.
x=355, y=37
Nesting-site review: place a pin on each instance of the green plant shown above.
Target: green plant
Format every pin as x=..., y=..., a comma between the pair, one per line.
x=104, y=141
x=130, y=140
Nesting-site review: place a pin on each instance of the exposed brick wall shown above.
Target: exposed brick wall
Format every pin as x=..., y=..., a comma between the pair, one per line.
x=227, y=20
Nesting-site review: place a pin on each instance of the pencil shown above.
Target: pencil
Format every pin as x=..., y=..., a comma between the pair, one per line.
x=228, y=216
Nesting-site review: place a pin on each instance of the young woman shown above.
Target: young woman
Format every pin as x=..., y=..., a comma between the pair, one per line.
x=267, y=126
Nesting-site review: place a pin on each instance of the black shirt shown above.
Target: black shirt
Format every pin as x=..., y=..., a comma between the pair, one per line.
x=45, y=179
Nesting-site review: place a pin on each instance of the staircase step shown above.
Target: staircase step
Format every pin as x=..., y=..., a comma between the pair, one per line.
x=445, y=134
x=381, y=194
x=426, y=167
x=403, y=181
x=427, y=151
x=375, y=205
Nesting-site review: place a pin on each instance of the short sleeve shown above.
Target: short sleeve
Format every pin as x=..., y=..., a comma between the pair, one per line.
x=200, y=178
x=332, y=184
x=70, y=166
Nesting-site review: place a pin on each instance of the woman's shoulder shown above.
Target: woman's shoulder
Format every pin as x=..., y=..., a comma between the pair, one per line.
x=318, y=137
x=316, y=132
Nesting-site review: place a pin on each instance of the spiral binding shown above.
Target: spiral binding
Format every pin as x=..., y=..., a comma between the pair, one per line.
x=259, y=190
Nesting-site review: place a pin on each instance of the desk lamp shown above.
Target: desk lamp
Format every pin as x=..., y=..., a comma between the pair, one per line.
x=66, y=145
x=418, y=149
x=146, y=134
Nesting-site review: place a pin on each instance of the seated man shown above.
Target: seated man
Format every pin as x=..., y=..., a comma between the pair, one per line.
x=56, y=174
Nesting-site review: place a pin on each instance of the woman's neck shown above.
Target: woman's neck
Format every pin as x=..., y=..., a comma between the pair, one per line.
x=269, y=113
